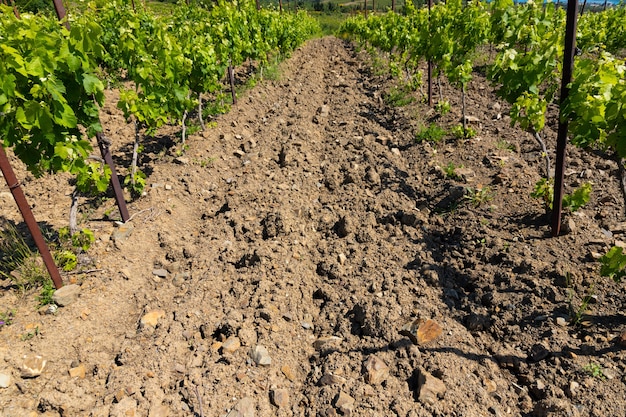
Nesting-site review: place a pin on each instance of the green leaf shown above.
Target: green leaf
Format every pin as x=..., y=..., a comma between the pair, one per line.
x=92, y=84
x=35, y=68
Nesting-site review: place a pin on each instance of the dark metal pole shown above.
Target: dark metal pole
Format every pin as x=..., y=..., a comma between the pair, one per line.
x=103, y=144
x=231, y=76
x=582, y=9
x=430, y=66
x=15, y=11
x=29, y=218
x=561, y=144
x=60, y=10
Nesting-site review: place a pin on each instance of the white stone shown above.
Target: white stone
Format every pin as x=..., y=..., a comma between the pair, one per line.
x=260, y=356
x=5, y=380
x=66, y=295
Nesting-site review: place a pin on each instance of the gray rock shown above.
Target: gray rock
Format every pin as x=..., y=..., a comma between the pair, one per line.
x=231, y=344
x=51, y=309
x=244, y=408
x=260, y=356
x=375, y=370
x=319, y=343
x=472, y=119
x=568, y=226
x=572, y=389
x=280, y=397
x=5, y=380
x=66, y=295
x=344, y=403
x=322, y=113
x=161, y=273
x=608, y=374
x=330, y=379
x=429, y=388
x=561, y=321
x=372, y=176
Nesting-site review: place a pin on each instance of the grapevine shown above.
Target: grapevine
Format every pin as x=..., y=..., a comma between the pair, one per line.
x=49, y=93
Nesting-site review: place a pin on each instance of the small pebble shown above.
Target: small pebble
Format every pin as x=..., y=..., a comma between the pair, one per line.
x=280, y=397
x=260, y=356
x=5, y=380
x=561, y=321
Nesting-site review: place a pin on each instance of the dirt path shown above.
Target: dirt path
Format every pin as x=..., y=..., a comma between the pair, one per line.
x=272, y=266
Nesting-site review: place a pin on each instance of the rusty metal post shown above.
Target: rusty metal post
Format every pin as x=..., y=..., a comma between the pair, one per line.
x=29, y=218
x=103, y=144
x=15, y=11
x=561, y=142
x=60, y=10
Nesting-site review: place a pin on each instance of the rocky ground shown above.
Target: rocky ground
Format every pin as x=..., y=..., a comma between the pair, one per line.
x=307, y=257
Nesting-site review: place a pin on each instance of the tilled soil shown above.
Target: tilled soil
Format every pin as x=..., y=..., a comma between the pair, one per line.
x=272, y=265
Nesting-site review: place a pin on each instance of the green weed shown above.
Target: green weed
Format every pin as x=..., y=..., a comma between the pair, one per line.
x=65, y=259
x=45, y=296
x=442, y=107
x=432, y=133
x=6, y=318
x=450, y=171
x=504, y=144
x=577, y=313
x=206, y=162
x=399, y=97
x=18, y=262
x=136, y=188
x=460, y=133
x=544, y=189
x=30, y=335
x=478, y=196
x=594, y=369
x=80, y=240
